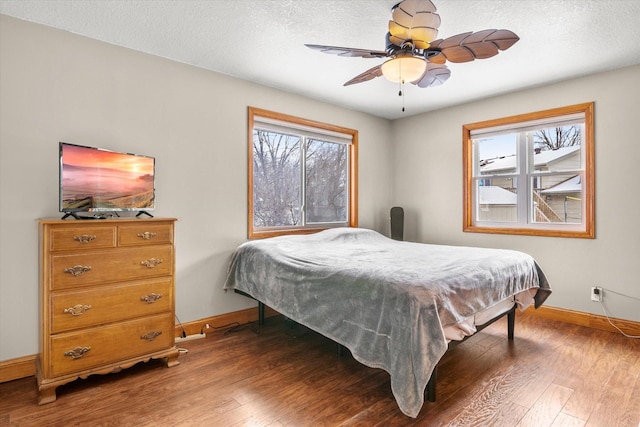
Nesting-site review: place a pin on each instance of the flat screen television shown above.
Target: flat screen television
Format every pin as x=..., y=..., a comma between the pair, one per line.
x=101, y=182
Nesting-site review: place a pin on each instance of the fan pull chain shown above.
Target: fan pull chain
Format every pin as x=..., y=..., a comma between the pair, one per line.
x=401, y=85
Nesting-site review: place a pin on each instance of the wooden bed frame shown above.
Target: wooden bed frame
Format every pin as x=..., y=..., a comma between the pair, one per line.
x=431, y=385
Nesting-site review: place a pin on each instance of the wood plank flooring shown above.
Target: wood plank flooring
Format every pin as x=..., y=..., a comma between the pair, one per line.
x=552, y=374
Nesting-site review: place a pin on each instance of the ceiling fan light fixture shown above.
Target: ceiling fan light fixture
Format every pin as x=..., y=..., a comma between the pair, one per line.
x=404, y=69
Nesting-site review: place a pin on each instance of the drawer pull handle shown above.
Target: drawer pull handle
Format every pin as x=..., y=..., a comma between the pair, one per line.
x=85, y=238
x=151, y=298
x=77, y=310
x=147, y=235
x=151, y=262
x=77, y=352
x=150, y=336
x=77, y=270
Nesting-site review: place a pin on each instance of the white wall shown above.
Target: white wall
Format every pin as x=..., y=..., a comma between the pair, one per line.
x=57, y=86
x=428, y=165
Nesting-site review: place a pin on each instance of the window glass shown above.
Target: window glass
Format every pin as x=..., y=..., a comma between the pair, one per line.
x=276, y=179
x=497, y=200
x=497, y=154
x=558, y=148
x=558, y=199
x=327, y=182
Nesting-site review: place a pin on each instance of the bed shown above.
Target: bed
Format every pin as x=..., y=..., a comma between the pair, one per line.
x=395, y=305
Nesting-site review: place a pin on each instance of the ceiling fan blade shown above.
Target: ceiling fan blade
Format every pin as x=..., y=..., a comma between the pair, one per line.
x=450, y=41
x=420, y=36
x=370, y=74
x=435, y=75
x=439, y=58
x=414, y=20
x=404, y=12
x=504, y=39
x=468, y=46
x=348, y=51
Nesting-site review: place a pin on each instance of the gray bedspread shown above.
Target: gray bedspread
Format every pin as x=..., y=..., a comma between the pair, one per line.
x=385, y=300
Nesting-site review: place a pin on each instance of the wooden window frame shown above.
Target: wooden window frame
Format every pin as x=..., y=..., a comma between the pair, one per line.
x=588, y=230
x=353, y=172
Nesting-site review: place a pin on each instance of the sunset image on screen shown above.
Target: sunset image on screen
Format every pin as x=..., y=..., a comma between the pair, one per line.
x=98, y=179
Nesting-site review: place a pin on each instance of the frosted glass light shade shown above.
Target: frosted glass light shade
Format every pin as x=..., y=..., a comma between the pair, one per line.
x=404, y=68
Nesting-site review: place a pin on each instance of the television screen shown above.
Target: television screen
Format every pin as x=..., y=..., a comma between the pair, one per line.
x=98, y=180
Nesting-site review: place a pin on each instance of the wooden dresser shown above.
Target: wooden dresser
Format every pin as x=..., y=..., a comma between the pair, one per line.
x=107, y=289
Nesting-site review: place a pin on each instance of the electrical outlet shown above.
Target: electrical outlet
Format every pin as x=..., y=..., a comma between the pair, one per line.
x=596, y=294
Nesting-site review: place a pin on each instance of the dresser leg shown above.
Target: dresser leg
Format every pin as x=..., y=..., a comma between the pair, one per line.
x=46, y=394
x=172, y=359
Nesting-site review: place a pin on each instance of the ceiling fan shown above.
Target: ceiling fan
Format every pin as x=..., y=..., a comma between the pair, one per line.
x=415, y=56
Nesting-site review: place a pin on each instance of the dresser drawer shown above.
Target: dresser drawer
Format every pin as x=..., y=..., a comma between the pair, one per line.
x=107, y=304
x=73, y=237
x=104, y=266
x=145, y=234
x=76, y=351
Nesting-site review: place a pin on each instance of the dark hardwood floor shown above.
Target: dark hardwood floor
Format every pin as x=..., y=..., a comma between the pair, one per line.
x=552, y=374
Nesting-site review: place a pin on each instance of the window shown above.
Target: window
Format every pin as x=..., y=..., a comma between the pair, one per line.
x=302, y=175
x=531, y=174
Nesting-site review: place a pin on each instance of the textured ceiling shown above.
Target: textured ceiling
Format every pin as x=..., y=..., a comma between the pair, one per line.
x=263, y=41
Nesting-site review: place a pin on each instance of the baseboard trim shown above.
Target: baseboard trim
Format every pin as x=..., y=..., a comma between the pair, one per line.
x=222, y=321
x=25, y=366
x=14, y=369
x=594, y=321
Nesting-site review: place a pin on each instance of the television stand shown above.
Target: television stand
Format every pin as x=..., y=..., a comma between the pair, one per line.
x=95, y=216
x=76, y=216
x=143, y=213
x=68, y=214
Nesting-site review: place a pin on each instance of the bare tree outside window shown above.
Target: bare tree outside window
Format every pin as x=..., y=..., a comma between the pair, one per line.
x=276, y=184
x=326, y=183
x=558, y=137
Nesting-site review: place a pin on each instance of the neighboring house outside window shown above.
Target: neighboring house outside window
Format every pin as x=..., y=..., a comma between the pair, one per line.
x=302, y=175
x=531, y=174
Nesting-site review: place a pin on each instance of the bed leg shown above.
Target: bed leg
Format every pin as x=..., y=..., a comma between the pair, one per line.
x=431, y=385
x=511, y=322
x=260, y=313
